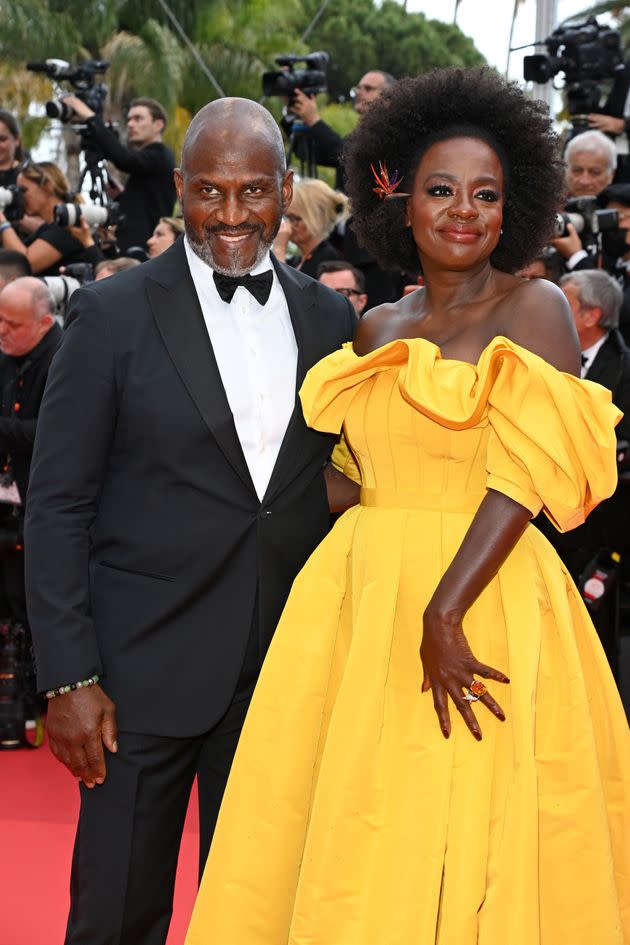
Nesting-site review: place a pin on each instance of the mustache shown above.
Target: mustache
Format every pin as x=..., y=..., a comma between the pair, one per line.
x=221, y=229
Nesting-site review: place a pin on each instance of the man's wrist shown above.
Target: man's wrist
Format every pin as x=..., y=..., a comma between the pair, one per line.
x=82, y=684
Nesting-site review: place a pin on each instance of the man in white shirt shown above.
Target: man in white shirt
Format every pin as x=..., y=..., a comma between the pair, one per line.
x=175, y=493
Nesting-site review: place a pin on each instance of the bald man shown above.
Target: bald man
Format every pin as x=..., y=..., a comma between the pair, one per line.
x=29, y=336
x=176, y=491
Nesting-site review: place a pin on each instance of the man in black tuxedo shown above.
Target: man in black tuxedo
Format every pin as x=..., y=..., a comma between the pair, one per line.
x=175, y=493
x=595, y=300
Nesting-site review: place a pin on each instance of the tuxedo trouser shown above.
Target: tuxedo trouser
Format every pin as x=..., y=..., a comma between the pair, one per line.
x=130, y=827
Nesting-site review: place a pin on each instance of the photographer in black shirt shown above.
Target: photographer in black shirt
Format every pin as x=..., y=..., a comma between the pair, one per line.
x=50, y=245
x=150, y=191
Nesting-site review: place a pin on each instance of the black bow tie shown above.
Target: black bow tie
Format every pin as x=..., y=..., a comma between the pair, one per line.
x=259, y=286
x=584, y=359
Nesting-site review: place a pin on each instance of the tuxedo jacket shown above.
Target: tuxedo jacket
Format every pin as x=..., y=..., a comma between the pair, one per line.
x=147, y=547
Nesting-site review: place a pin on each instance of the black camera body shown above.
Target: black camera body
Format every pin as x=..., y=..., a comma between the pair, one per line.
x=598, y=228
x=311, y=80
x=586, y=53
x=81, y=77
x=12, y=202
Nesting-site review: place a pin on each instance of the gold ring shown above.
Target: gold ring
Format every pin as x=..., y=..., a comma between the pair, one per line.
x=475, y=691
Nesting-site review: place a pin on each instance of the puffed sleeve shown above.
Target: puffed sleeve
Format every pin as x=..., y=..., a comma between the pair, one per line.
x=552, y=444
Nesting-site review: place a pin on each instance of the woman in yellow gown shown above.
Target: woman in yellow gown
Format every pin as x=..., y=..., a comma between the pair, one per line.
x=362, y=808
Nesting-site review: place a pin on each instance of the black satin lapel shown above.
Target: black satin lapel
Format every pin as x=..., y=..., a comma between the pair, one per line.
x=301, y=302
x=180, y=322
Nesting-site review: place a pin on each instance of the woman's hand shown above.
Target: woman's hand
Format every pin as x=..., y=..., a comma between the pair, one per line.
x=282, y=239
x=449, y=669
x=82, y=233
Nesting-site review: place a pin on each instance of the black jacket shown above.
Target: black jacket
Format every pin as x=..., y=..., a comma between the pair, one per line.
x=139, y=479
x=150, y=190
x=22, y=382
x=607, y=525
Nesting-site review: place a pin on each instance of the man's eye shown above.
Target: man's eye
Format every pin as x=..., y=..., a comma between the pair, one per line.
x=440, y=190
x=253, y=190
x=209, y=191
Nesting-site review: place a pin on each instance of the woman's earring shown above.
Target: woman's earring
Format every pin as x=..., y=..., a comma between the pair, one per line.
x=501, y=232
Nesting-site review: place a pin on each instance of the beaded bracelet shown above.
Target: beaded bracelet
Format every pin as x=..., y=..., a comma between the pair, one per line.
x=83, y=684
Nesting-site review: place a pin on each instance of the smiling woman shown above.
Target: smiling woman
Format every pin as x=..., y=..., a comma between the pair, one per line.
x=436, y=729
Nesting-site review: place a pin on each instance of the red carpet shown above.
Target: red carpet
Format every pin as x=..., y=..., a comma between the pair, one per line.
x=38, y=808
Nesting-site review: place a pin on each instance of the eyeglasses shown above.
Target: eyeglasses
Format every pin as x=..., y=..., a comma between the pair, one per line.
x=348, y=292
x=293, y=218
x=364, y=87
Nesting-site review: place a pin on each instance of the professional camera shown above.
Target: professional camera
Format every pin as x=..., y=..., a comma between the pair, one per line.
x=61, y=288
x=71, y=214
x=586, y=53
x=587, y=218
x=310, y=80
x=12, y=202
x=81, y=77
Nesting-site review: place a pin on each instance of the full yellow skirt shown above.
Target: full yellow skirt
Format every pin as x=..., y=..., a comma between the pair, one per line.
x=349, y=819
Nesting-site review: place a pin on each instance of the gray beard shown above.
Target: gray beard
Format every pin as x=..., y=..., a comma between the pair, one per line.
x=204, y=252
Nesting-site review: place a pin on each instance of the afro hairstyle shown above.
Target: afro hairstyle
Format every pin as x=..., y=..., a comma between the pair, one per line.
x=417, y=112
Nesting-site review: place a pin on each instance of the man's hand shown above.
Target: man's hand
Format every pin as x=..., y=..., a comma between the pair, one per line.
x=304, y=107
x=569, y=244
x=79, y=724
x=607, y=123
x=80, y=109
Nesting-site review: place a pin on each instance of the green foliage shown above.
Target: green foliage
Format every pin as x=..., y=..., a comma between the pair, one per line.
x=361, y=36
x=30, y=30
x=237, y=39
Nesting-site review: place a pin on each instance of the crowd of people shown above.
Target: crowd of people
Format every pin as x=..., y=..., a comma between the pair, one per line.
x=410, y=346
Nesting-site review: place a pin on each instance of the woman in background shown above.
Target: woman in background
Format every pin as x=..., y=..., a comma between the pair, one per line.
x=50, y=246
x=314, y=212
x=11, y=154
x=164, y=235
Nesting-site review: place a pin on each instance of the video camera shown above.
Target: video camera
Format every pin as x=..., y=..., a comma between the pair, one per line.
x=310, y=80
x=81, y=77
x=12, y=202
x=586, y=53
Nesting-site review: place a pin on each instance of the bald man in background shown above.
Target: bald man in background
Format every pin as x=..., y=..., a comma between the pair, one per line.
x=29, y=336
x=173, y=466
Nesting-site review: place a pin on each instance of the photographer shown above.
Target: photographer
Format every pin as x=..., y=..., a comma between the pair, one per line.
x=150, y=190
x=50, y=245
x=591, y=160
x=326, y=143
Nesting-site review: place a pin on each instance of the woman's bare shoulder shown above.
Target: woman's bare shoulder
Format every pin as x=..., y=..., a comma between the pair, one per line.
x=537, y=316
x=377, y=327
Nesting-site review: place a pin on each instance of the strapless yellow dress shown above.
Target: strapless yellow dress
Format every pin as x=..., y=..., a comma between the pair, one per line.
x=348, y=818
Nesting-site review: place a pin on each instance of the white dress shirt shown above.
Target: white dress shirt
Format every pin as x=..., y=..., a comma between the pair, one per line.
x=589, y=355
x=256, y=353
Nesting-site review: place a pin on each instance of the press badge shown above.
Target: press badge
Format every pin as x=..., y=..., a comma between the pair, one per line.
x=10, y=494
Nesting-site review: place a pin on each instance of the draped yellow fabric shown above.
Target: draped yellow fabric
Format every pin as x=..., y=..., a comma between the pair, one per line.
x=348, y=818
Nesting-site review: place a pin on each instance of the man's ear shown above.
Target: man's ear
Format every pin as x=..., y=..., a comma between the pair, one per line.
x=592, y=316
x=287, y=189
